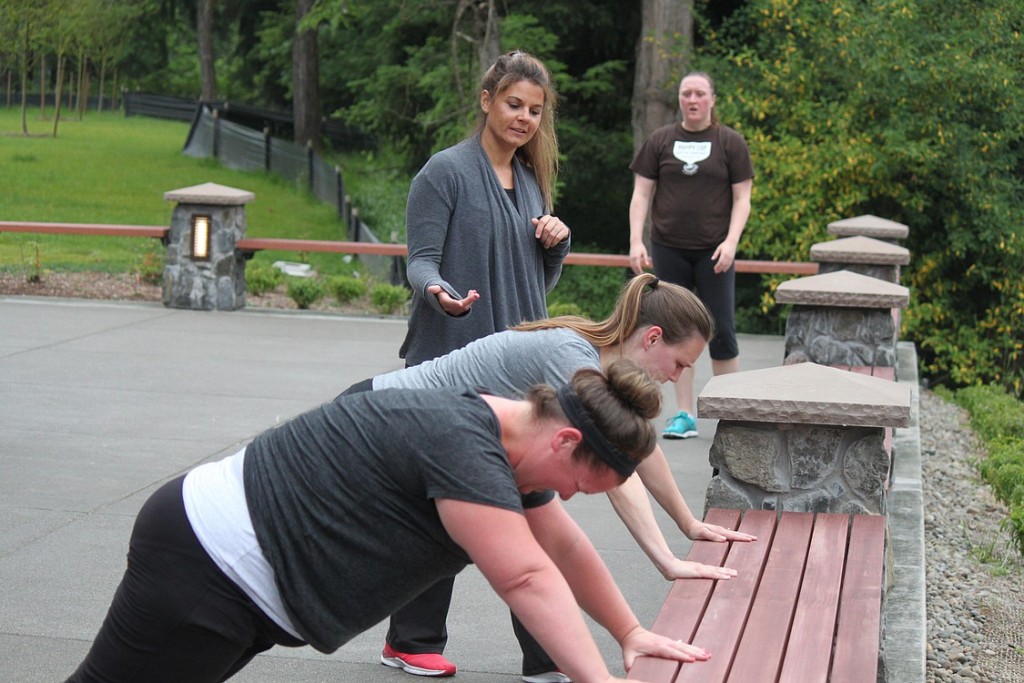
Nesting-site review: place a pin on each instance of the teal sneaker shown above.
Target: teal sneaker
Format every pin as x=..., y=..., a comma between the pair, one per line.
x=682, y=426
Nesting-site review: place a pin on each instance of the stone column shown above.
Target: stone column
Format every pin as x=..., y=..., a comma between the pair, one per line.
x=864, y=255
x=869, y=226
x=215, y=281
x=804, y=437
x=842, y=318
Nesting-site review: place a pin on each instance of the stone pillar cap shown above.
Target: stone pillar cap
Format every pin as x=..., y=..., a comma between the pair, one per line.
x=860, y=249
x=806, y=393
x=869, y=226
x=842, y=288
x=210, y=193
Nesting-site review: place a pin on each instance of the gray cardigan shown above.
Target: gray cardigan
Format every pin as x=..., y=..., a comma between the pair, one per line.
x=465, y=233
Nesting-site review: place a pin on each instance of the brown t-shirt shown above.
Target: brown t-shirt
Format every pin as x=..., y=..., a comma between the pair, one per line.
x=695, y=173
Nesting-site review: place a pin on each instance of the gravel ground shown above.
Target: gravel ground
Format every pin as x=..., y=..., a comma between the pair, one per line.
x=975, y=583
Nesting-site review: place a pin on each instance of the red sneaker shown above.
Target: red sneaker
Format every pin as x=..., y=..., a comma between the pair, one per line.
x=429, y=664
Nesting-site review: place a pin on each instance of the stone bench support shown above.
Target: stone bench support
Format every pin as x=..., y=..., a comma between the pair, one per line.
x=805, y=438
x=841, y=318
x=864, y=255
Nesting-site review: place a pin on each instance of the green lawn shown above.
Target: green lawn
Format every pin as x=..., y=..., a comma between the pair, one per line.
x=112, y=169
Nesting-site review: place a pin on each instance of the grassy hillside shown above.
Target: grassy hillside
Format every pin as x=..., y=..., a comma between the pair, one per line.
x=112, y=169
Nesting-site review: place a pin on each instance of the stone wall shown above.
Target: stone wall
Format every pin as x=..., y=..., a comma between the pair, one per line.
x=841, y=336
x=805, y=468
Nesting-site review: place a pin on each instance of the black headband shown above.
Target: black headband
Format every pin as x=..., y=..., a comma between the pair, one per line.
x=580, y=418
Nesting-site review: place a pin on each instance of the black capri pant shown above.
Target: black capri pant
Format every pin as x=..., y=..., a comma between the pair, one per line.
x=694, y=269
x=176, y=616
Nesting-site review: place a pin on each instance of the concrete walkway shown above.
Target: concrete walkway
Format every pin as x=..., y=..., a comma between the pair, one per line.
x=102, y=402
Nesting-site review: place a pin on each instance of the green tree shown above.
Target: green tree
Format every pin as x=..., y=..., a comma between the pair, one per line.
x=910, y=110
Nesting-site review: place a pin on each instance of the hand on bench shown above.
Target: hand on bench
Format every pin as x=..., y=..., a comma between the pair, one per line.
x=702, y=531
x=685, y=569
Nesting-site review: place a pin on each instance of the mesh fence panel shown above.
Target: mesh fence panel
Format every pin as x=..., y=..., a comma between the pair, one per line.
x=287, y=159
x=240, y=148
x=325, y=183
x=200, y=142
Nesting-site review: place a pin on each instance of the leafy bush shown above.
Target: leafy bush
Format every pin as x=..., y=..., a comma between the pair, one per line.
x=305, y=291
x=836, y=101
x=345, y=288
x=261, y=278
x=388, y=299
x=998, y=418
x=555, y=310
x=150, y=268
x=994, y=413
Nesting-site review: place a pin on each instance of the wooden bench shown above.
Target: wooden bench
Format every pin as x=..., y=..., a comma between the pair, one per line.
x=805, y=606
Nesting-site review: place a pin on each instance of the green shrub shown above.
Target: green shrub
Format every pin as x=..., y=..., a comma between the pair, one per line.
x=34, y=262
x=150, y=268
x=305, y=291
x=564, y=308
x=345, y=288
x=998, y=418
x=261, y=278
x=388, y=299
x=994, y=413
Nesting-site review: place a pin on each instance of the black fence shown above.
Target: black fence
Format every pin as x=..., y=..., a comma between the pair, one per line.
x=229, y=133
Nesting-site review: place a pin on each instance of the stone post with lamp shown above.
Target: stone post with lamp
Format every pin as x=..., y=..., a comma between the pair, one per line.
x=204, y=270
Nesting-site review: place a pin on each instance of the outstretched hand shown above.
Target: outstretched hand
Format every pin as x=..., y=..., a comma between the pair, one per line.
x=701, y=531
x=684, y=569
x=640, y=641
x=453, y=306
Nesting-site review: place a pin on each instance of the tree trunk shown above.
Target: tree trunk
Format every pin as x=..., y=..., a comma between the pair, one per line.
x=204, y=34
x=24, y=81
x=58, y=90
x=42, y=87
x=661, y=56
x=103, y=77
x=486, y=37
x=305, y=80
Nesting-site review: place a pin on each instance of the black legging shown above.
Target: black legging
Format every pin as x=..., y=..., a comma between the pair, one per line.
x=176, y=616
x=694, y=270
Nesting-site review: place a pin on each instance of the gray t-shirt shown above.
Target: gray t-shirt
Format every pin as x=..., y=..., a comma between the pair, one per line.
x=342, y=502
x=506, y=364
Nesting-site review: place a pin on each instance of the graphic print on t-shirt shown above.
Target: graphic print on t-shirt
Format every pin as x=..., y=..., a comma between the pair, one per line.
x=690, y=153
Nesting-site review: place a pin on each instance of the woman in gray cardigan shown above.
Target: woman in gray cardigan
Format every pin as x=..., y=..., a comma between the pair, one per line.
x=484, y=251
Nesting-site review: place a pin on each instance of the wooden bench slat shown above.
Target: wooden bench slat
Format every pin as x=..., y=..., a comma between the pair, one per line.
x=857, y=635
x=760, y=652
x=725, y=616
x=809, y=650
x=684, y=606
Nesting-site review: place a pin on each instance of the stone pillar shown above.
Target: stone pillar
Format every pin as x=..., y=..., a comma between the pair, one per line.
x=869, y=226
x=216, y=281
x=804, y=437
x=863, y=255
x=842, y=318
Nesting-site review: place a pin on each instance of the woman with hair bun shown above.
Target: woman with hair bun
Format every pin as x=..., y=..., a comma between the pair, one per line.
x=660, y=326
x=277, y=544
